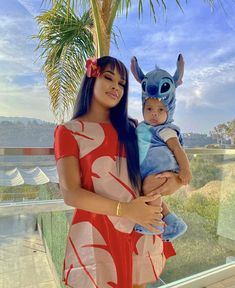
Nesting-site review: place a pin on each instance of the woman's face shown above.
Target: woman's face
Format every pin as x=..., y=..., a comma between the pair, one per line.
x=108, y=88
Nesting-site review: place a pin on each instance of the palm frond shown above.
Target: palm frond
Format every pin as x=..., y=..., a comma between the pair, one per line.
x=70, y=4
x=126, y=5
x=116, y=36
x=65, y=42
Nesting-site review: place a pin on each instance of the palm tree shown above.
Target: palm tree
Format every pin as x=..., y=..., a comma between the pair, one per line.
x=67, y=40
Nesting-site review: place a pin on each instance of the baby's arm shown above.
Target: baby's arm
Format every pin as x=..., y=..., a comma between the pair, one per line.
x=181, y=158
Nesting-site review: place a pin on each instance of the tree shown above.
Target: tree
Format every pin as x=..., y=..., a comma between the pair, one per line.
x=231, y=131
x=224, y=131
x=220, y=133
x=67, y=40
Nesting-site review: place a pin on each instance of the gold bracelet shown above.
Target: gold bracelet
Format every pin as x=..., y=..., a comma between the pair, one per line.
x=118, y=211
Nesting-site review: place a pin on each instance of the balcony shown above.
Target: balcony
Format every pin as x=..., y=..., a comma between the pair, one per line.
x=34, y=221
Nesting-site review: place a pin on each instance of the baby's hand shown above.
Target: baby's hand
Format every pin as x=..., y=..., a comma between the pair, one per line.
x=185, y=176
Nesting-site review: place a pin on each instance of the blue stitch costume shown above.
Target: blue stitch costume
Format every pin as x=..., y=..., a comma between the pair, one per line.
x=155, y=156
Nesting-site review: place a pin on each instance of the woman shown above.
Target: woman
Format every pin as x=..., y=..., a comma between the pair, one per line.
x=97, y=162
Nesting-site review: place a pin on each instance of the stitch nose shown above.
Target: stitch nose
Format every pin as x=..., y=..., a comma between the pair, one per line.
x=152, y=89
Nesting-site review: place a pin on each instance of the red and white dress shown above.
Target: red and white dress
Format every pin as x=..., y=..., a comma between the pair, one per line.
x=104, y=251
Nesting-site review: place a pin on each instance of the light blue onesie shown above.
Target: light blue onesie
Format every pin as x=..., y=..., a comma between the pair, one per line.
x=155, y=156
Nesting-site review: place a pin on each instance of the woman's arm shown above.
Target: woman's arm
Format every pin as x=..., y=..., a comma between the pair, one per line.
x=165, y=183
x=74, y=195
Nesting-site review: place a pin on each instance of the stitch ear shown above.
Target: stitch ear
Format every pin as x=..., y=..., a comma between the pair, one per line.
x=136, y=71
x=179, y=73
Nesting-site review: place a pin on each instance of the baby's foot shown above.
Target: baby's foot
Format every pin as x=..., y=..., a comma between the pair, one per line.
x=140, y=229
x=175, y=227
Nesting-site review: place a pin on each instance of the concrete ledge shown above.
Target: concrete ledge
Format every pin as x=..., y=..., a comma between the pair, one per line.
x=205, y=278
x=32, y=207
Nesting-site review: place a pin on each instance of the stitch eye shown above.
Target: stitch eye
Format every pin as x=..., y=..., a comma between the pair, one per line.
x=143, y=86
x=165, y=87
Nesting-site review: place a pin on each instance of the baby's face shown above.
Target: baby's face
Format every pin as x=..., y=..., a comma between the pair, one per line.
x=155, y=112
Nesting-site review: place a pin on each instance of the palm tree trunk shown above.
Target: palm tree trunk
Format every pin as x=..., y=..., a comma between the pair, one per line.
x=103, y=15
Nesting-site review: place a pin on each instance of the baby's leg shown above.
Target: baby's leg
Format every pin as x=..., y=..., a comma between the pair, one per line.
x=157, y=182
x=151, y=186
x=158, y=202
x=165, y=209
x=175, y=226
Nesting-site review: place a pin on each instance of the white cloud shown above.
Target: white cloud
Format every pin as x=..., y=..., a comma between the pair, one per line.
x=6, y=21
x=201, y=87
x=135, y=108
x=28, y=101
x=17, y=54
x=134, y=86
x=32, y=6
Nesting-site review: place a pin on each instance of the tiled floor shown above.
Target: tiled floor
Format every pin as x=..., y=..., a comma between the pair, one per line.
x=23, y=262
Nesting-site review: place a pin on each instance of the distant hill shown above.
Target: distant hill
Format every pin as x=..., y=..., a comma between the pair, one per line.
x=31, y=132
x=25, y=132
x=24, y=120
x=196, y=140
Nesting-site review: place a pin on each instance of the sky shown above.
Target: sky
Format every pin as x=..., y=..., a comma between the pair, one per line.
x=206, y=39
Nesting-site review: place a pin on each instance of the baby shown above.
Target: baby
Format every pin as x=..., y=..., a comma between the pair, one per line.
x=160, y=141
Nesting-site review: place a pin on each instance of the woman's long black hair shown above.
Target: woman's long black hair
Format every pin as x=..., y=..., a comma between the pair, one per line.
x=124, y=126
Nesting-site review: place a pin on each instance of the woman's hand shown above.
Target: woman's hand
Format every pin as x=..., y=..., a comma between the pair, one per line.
x=138, y=211
x=165, y=183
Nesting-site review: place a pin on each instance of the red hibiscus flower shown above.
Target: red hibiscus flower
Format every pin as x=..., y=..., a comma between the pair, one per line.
x=92, y=69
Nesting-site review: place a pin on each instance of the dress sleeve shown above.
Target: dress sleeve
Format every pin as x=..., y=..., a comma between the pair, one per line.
x=64, y=143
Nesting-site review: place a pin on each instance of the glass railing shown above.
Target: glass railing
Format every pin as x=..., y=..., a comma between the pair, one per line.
x=33, y=218
x=207, y=205
x=28, y=181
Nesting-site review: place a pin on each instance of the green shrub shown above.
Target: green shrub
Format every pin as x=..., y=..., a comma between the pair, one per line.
x=175, y=202
x=203, y=206
x=206, y=207
x=203, y=171
x=19, y=193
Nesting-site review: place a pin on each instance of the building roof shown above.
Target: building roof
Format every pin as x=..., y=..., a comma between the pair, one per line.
x=13, y=176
